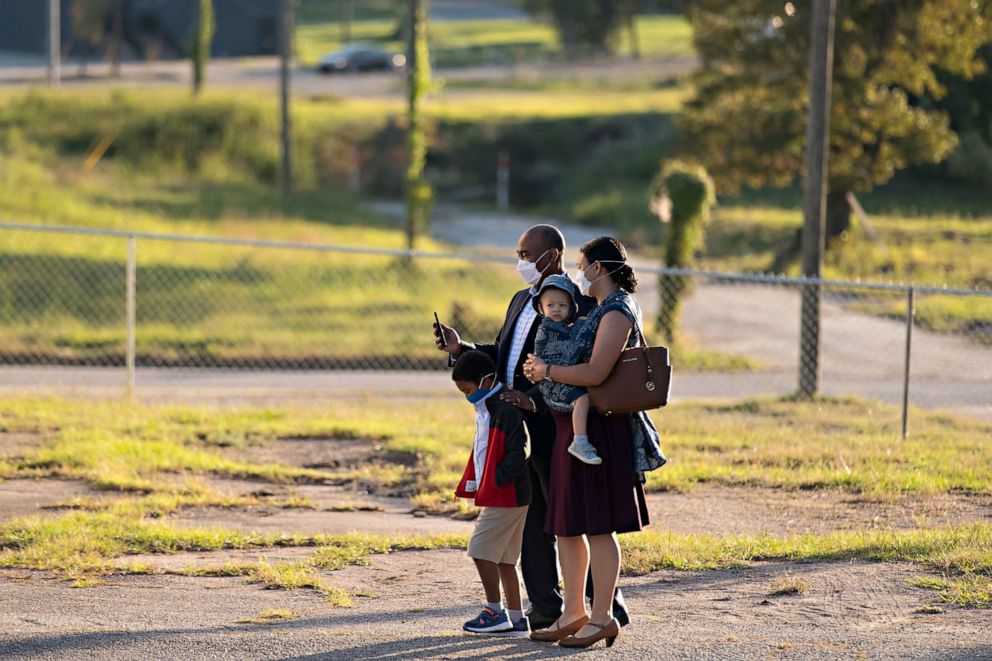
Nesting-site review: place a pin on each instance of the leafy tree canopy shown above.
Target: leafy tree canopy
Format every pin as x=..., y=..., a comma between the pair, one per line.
x=746, y=121
x=587, y=23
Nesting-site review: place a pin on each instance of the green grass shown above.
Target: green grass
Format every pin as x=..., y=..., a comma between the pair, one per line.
x=297, y=575
x=962, y=554
x=84, y=542
x=271, y=616
x=179, y=166
x=969, y=591
x=81, y=546
x=183, y=166
x=846, y=444
x=480, y=42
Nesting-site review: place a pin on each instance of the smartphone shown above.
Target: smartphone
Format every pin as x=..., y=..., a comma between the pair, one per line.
x=438, y=332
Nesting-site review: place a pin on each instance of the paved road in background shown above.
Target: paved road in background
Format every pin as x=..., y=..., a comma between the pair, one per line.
x=19, y=69
x=262, y=73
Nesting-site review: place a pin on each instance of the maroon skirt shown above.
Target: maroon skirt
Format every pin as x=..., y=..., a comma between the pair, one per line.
x=594, y=500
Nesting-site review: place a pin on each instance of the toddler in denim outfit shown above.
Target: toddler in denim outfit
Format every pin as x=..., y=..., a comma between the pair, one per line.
x=556, y=303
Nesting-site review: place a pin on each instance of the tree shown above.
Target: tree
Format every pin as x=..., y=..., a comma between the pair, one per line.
x=418, y=190
x=116, y=38
x=593, y=24
x=89, y=26
x=200, y=43
x=681, y=196
x=969, y=104
x=747, y=116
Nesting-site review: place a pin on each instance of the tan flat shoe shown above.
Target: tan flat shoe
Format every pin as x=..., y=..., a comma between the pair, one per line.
x=554, y=635
x=606, y=631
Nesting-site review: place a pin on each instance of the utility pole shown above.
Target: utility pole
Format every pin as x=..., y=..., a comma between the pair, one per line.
x=54, y=43
x=349, y=18
x=286, y=22
x=815, y=189
x=418, y=191
x=117, y=39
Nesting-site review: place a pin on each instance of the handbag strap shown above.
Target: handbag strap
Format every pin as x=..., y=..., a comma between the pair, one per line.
x=644, y=347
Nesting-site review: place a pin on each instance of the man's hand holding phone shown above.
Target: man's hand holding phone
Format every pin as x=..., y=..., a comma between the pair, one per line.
x=445, y=338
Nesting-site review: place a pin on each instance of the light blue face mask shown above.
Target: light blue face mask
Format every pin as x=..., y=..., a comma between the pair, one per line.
x=480, y=392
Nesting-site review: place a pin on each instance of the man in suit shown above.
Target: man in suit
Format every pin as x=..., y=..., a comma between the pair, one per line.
x=540, y=252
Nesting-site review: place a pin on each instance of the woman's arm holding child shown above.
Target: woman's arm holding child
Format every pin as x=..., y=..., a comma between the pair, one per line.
x=611, y=338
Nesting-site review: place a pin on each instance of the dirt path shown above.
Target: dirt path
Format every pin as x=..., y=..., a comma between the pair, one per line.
x=412, y=604
x=416, y=601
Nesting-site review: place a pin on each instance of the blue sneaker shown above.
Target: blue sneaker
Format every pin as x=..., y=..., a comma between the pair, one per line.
x=489, y=621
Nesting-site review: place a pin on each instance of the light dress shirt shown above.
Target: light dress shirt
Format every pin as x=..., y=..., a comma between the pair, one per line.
x=520, y=333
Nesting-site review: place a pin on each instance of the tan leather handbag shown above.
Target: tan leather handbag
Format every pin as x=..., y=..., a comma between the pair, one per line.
x=641, y=380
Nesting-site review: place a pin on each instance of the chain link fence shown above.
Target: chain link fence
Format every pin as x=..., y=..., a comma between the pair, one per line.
x=142, y=304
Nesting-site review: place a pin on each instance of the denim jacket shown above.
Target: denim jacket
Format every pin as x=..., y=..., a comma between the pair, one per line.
x=645, y=439
x=553, y=343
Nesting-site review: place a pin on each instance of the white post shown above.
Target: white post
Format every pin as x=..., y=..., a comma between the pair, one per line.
x=503, y=181
x=132, y=258
x=54, y=43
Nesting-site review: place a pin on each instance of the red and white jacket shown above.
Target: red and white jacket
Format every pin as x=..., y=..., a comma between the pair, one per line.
x=499, y=454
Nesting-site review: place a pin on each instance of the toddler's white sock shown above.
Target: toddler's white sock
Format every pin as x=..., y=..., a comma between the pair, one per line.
x=497, y=607
x=515, y=616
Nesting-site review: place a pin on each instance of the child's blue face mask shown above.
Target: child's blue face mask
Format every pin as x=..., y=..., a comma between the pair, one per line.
x=480, y=392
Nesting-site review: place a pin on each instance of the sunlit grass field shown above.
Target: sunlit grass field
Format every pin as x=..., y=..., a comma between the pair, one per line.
x=150, y=461
x=63, y=297
x=181, y=166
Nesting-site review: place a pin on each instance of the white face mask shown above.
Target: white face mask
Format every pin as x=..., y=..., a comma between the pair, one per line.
x=585, y=284
x=528, y=270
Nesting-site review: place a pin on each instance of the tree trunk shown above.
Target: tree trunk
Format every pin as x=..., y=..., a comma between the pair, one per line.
x=838, y=218
x=635, y=42
x=117, y=39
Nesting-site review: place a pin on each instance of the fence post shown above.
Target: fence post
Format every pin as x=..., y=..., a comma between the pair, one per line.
x=910, y=314
x=54, y=43
x=132, y=255
x=503, y=181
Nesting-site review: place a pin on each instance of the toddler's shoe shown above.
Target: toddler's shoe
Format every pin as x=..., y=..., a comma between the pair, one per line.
x=583, y=450
x=489, y=621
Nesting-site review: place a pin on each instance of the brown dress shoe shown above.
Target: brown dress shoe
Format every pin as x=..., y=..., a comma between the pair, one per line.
x=553, y=635
x=608, y=631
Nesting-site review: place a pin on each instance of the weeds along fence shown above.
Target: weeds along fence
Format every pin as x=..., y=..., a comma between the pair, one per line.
x=140, y=304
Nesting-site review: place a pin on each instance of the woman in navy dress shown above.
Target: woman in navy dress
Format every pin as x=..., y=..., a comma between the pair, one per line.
x=589, y=504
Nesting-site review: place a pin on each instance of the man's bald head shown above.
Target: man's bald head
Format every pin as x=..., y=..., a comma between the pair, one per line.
x=544, y=246
x=546, y=237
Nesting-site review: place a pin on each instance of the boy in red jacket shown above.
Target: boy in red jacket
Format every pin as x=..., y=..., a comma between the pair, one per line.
x=496, y=477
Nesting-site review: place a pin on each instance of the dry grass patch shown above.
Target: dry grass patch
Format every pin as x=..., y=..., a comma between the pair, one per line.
x=789, y=584
x=271, y=616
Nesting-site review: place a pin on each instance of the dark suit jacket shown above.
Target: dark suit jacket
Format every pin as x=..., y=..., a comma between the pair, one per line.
x=540, y=425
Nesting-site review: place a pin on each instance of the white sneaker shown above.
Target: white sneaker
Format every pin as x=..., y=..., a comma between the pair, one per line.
x=584, y=452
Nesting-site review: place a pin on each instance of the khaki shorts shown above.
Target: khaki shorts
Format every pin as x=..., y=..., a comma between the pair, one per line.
x=499, y=532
